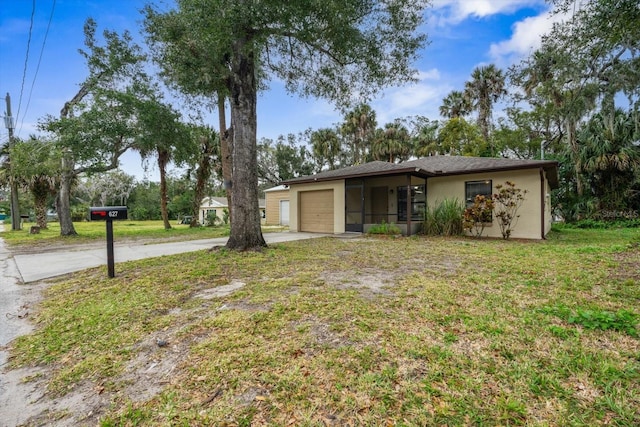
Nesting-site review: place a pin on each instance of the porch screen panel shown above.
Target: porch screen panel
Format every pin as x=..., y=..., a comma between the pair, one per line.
x=354, y=204
x=418, y=202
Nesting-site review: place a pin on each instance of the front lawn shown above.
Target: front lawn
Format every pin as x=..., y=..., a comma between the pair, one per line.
x=372, y=331
x=89, y=231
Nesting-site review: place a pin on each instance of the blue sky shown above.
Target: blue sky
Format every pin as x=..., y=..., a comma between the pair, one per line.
x=463, y=34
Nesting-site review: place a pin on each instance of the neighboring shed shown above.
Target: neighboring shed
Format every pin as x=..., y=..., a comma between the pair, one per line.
x=277, y=205
x=355, y=198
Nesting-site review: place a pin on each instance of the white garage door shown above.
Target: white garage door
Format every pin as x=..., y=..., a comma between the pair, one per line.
x=316, y=211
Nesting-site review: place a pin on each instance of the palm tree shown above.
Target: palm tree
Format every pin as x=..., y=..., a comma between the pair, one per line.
x=36, y=168
x=209, y=148
x=391, y=143
x=326, y=148
x=609, y=158
x=426, y=139
x=455, y=105
x=359, y=126
x=487, y=86
x=161, y=134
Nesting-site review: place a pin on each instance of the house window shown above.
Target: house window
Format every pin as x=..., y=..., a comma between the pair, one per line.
x=418, y=202
x=478, y=188
x=475, y=188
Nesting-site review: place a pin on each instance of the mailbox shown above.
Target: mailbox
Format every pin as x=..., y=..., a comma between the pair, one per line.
x=108, y=213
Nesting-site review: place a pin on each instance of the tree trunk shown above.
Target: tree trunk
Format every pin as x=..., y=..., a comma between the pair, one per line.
x=40, y=191
x=246, y=233
x=64, y=196
x=163, y=159
x=575, y=153
x=225, y=137
x=202, y=176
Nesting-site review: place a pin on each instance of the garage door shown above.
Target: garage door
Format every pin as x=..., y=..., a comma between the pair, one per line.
x=316, y=211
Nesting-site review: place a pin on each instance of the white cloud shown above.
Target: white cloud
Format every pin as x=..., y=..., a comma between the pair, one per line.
x=447, y=12
x=526, y=37
x=422, y=98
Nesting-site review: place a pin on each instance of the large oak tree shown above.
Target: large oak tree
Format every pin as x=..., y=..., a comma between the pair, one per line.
x=98, y=124
x=332, y=49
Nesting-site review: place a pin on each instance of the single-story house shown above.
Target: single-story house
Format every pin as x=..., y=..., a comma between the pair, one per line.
x=216, y=206
x=352, y=199
x=277, y=205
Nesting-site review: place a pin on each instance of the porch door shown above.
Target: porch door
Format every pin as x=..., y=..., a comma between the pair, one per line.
x=379, y=205
x=354, y=206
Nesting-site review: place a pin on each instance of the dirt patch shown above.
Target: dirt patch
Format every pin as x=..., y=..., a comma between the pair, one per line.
x=369, y=282
x=220, y=291
x=379, y=282
x=627, y=268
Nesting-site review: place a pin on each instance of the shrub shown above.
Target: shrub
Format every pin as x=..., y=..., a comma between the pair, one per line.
x=507, y=202
x=445, y=219
x=212, y=220
x=477, y=216
x=384, y=228
x=225, y=216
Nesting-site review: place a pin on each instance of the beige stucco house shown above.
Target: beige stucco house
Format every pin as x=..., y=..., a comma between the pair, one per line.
x=217, y=206
x=354, y=198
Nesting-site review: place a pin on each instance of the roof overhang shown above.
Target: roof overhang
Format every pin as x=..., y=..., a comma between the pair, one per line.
x=550, y=168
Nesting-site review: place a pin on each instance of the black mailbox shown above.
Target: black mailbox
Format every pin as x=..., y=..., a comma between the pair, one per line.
x=108, y=213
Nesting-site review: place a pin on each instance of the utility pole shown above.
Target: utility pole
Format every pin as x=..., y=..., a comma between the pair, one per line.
x=15, y=207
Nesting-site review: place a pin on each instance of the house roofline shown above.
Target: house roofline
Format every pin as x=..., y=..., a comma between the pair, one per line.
x=398, y=172
x=547, y=166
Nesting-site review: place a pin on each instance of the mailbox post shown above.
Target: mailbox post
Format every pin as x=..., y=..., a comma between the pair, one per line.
x=108, y=214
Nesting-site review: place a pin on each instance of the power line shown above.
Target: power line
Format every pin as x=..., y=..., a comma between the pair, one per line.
x=53, y=7
x=26, y=59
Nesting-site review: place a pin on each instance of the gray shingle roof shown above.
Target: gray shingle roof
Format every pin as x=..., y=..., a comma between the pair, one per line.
x=434, y=166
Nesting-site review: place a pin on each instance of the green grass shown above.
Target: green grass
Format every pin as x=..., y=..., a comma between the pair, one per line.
x=96, y=230
x=410, y=331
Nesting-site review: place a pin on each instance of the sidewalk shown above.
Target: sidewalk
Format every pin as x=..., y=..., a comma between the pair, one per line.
x=34, y=267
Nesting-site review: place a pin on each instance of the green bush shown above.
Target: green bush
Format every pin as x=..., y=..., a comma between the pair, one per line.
x=445, y=219
x=476, y=217
x=385, y=228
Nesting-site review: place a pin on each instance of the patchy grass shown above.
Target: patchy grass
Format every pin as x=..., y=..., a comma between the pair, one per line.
x=94, y=231
x=411, y=331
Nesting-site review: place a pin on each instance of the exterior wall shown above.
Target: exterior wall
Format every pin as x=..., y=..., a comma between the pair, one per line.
x=204, y=211
x=272, y=203
x=548, y=219
x=338, y=203
x=529, y=224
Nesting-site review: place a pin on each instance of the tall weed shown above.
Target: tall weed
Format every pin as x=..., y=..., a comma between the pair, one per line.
x=445, y=219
